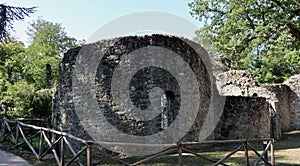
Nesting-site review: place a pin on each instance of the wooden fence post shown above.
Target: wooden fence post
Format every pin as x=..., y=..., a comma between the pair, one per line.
x=3, y=130
x=265, y=143
x=246, y=153
x=89, y=153
x=17, y=134
x=179, y=154
x=62, y=151
x=272, y=153
x=41, y=144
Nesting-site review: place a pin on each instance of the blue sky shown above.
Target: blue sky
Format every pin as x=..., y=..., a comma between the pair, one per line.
x=82, y=18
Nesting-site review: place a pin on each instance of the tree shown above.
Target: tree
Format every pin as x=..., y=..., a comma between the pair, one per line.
x=12, y=54
x=12, y=91
x=48, y=43
x=8, y=14
x=262, y=36
x=50, y=39
x=28, y=75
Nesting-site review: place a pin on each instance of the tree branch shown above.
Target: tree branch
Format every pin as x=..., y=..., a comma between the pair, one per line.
x=250, y=20
x=216, y=11
x=278, y=3
x=9, y=14
x=295, y=32
x=297, y=12
x=246, y=44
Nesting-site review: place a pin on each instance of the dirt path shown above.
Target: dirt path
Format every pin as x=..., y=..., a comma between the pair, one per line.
x=11, y=159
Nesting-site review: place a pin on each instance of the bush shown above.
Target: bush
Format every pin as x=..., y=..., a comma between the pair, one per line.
x=25, y=102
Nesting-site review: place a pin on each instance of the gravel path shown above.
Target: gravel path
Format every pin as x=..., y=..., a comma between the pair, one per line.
x=11, y=159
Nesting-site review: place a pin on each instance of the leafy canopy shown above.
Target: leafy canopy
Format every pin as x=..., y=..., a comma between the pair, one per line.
x=262, y=36
x=50, y=39
x=48, y=43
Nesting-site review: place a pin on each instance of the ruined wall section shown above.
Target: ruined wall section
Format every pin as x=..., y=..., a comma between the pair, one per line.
x=246, y=112
x=241, y=83
x=294, y=101
x=279, y=95
x=284, y=97
x=235, y=83
x=244, y=117
x=64, y=117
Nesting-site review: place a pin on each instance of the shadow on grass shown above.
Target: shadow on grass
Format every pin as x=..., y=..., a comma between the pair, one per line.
x=289, y=140
x=188, y=159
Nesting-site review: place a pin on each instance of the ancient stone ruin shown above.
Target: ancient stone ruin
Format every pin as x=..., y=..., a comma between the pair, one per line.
x=106, y=89
x=87, y=83
x=283, y=98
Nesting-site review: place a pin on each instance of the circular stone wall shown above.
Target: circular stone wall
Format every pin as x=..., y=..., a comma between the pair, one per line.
x=139, y=89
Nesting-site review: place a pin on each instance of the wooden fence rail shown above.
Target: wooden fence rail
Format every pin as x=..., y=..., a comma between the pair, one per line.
x=14, y=129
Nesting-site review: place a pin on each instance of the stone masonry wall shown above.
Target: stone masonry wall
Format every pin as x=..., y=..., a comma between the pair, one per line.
x=284, y=96
x=240, y=83
x=244, y=117
x=294, y=101
x=246, y=113
x=280, y=97
x=65, y=117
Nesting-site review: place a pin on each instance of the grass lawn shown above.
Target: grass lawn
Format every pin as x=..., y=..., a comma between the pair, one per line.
x=287, y=150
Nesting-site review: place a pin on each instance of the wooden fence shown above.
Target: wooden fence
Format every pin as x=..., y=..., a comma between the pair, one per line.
x=14, y=129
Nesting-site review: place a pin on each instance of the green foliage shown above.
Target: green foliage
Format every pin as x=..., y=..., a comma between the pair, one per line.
x=48, y=42
x=10, y=61
x=28, y=75
x=49, y=39
x=42, y=103
x=261, y=36
x=19, y=97
x=24, y=101
x=35, y=69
